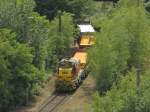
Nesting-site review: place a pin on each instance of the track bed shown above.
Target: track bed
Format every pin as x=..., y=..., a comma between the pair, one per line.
x=53, y=102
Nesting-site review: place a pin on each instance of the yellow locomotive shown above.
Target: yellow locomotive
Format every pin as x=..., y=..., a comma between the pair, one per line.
x=72, y=71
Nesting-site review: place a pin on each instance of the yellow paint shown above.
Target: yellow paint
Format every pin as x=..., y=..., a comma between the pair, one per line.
x=82, y=56
x=65, y=74
x=87, y=40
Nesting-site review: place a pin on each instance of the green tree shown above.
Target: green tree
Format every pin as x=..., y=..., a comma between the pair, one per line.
x=17, y=71
x=102, y=64
x=30, y=27
x=23, y=52
x=123, y=43
x=123, y=96
x=78, y=7
x=60, y=42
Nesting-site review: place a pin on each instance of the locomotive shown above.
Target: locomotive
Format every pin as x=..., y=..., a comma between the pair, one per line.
x=72, y=71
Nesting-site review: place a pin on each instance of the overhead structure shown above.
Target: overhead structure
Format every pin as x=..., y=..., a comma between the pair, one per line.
x=86, y=28
x=86, y=39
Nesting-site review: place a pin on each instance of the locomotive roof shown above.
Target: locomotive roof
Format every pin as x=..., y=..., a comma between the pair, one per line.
x=72, y=61
x=86, y=28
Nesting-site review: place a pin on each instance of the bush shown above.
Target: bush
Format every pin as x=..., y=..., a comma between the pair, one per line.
x=123, y=43
x=123, y=97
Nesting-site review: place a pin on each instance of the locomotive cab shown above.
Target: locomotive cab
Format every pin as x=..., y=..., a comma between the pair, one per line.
x=68, y=69
x=67, y=73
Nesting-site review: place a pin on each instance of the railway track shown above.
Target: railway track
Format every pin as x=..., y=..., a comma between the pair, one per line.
x=53, y=102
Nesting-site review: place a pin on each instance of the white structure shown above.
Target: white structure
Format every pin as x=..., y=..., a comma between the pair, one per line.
x=86, y=28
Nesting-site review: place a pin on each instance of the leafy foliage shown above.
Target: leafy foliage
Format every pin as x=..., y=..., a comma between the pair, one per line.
x=60, y=42
x=29, y=46
x=30, y=27
x=17, y=71
x=123, y=97
x=122, y=44
x=78, y=7
x=101, y=12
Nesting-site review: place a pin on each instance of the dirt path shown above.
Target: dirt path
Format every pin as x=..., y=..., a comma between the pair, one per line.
x=80, y=101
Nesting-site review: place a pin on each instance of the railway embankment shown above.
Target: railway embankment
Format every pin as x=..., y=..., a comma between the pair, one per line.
x=79, y=101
